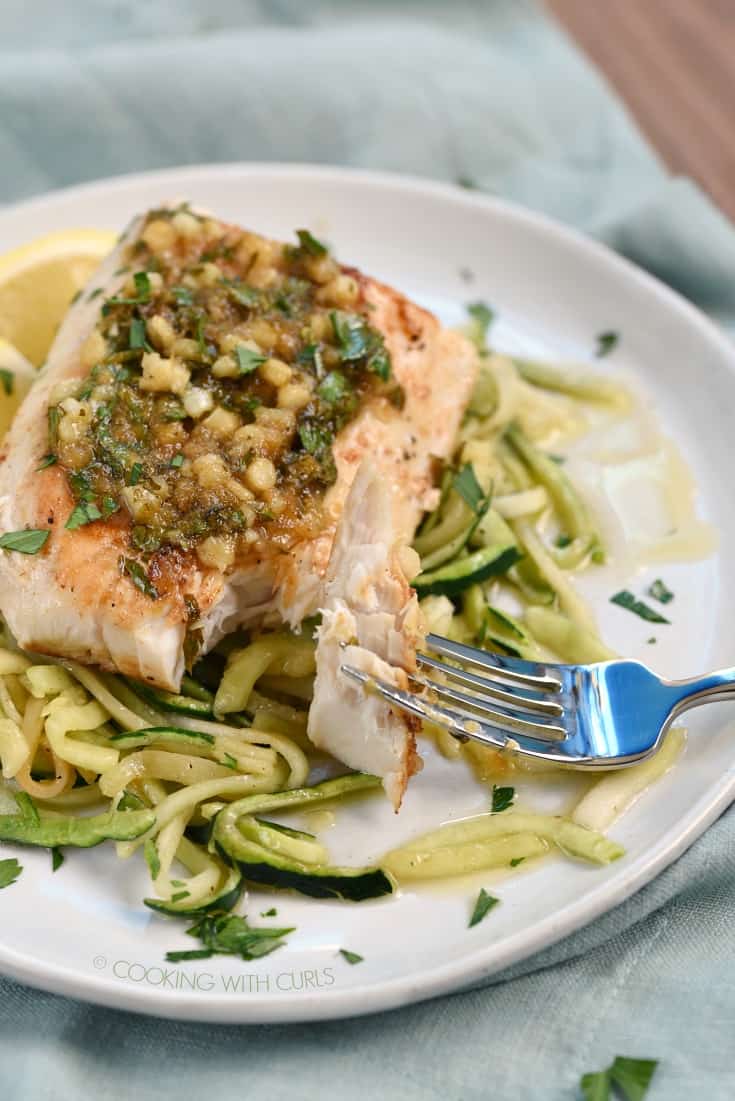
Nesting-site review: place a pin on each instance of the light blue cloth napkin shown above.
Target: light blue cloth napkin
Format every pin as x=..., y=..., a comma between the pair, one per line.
x=490, y=92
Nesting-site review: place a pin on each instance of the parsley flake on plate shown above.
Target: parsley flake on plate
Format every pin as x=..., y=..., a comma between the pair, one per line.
x=484, y=904
x=659, y=591
x=226, y=934
x=627, y=600
x=9, y=871
x=606, y=342
x=502, y=798
x=351, y=957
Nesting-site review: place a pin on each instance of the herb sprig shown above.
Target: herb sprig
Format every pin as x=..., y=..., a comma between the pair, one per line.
x=226, y=934
x=9, y=871
x=484, y=904
x=626, y=599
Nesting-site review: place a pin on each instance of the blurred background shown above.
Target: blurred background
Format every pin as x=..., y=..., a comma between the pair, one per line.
x=672, y=63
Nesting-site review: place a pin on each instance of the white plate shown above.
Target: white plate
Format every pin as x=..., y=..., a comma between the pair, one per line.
x=84, y=931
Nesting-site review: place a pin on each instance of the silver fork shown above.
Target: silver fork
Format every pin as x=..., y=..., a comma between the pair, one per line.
x=606, y=715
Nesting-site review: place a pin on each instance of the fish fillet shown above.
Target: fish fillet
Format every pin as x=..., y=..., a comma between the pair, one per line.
x=90, y=596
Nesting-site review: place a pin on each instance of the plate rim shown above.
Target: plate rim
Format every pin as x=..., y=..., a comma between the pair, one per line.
x=477, y=966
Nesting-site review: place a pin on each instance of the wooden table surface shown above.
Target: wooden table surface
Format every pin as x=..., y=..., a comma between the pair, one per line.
x=673, y=62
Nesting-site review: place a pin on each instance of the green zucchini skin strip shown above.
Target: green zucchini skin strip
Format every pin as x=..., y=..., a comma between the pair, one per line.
x=171, y=701
x=570, y=507
x=348, y=884
x=225, y=899
x=459, y=575
x=301, y=797
x=82, y=833
x=193, y=689
x=259, y=864
x=133, y=739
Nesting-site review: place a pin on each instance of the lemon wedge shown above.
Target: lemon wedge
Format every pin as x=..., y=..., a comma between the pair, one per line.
x=38, y=282
x=16, y=377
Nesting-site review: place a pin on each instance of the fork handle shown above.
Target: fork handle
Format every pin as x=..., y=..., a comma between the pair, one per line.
x=707, y=689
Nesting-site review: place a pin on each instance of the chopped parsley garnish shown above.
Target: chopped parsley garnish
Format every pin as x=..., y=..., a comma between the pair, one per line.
x=136, y=338
x=483, y=906
x=177, y=461
x=379, y=363
x=138, y=575
x=9, y=871
x=225, y=934
x=182, y=296
x=351, y=957
x=627, y=600
x=659, y=591
x=7, y=378
x=27, y=808
x=142, y=295
x=309, y=244
x=352, y=334
x=109, y=505
x=242, y=294
x=606, y=342
x=482, y=313
x=131, y=801
x=312, y=354
x=502, y=798
x=152, y=859
x=270, y=913
x=481, y=318
x=142, y=285
x=516, y=861
x=47, y=460
x=314, y=438
x=135, y=472
x=86, y=512
x=28, y=541
x=631, y=1077
x=248, y=360
x=562, y=541
x=333, y=387
x=468, y=487
x=81, y=487
x=57, y=858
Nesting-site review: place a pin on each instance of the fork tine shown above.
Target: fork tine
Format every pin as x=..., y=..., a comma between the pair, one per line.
x=526, y=674
x=460, y=724
x=518, y=698
x=480, y=706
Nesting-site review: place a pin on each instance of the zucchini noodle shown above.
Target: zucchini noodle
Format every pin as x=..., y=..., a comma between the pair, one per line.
x=74, y=738
x=181, y=776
